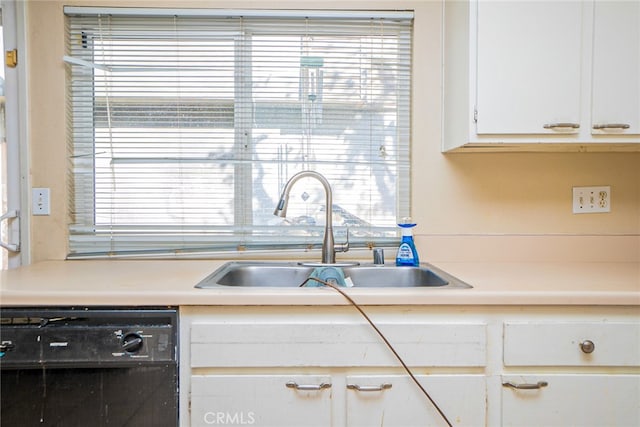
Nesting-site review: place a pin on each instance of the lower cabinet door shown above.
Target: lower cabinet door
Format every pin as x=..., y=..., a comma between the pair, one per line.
x=571, y=400
x=261, y=400
x=396, y=401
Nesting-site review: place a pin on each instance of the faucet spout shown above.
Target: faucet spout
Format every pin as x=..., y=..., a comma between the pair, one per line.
x=328, y=243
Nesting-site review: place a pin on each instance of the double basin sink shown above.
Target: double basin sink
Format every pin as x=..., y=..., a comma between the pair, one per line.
x=291, y=274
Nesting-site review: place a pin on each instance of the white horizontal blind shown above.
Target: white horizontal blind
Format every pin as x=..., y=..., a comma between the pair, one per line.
x=184, y=129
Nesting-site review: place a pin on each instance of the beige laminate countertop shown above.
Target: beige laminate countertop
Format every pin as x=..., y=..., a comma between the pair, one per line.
x=171, y=282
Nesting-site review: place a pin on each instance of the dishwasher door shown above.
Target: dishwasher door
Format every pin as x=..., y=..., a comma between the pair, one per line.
x=89, y=367
x=87, y=397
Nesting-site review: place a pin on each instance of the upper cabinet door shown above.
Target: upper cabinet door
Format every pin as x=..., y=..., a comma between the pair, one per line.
x=528, y=67
x=616, y=68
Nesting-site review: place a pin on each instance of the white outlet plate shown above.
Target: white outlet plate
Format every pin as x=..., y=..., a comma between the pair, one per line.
x=40, y=201
x=591, y=199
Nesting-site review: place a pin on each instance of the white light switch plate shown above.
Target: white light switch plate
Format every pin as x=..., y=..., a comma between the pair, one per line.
x=591, y=199
x=40, y=201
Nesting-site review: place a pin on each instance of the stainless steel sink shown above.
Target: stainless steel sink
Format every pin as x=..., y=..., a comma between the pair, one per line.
x=290, y=274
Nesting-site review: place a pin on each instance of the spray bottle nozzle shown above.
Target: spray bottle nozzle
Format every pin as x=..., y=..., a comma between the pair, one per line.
x=406, y=222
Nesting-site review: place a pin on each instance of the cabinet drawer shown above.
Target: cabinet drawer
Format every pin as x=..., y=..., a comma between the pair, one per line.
x=572, y=344
x=221, y=344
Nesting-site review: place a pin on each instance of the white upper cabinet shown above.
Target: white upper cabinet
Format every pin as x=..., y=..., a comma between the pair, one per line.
x=528, y=67
x=616, y=68
x=541, y=75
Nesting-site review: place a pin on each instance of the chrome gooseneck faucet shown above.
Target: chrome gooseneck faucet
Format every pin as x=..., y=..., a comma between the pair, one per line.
x=329, y=247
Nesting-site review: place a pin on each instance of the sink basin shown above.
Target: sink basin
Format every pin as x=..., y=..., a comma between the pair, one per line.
x=289, y=274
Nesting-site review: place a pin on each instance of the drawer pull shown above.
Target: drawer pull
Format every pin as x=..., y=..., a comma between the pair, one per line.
x=526, y=386
x=560, y=126
x=611, y=126
x=381, y=387
x=308, y=387
x=587, y=346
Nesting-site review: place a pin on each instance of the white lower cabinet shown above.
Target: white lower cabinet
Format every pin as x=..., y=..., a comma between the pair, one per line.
x=261, y=400
x=326, y=366
x=482, y=366
x=308, y=400
x=395, y=400
x=578, y=373
x=571, y=400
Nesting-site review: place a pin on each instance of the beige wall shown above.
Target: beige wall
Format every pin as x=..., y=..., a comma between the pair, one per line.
x=465, y=197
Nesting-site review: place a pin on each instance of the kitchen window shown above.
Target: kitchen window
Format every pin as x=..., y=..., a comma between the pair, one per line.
x=184, y=126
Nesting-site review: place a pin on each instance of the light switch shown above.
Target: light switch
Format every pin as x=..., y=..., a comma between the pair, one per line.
x=40, y=201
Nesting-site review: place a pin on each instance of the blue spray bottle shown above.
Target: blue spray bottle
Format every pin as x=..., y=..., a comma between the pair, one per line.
x=407, y=254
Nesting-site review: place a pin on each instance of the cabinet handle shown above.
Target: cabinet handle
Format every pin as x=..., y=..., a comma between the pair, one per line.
x=308, y=387
x=561, y=125
x=587, y=346
x=526, y=386
x=381, y=387
x=612, y=126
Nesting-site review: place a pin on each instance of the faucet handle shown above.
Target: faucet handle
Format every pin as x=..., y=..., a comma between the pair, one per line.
x=378, y=256
x=342, y=247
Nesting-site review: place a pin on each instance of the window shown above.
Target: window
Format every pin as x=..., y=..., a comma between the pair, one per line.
x=14, y=224
x=3, y=157
x=185, y=126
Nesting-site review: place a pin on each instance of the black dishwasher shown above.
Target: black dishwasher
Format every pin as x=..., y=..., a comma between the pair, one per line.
x=89, y=366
